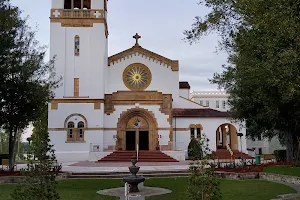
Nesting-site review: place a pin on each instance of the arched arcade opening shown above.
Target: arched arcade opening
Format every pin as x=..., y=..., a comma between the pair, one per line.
x=226, y=134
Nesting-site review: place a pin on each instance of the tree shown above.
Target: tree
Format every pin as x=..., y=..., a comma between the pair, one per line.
x=262, y=42
x=26, y=81
x=40, y=178
x=40, y=128
x=203, y=185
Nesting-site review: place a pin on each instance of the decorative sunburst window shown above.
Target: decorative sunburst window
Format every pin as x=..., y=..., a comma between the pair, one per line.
x=137, y=76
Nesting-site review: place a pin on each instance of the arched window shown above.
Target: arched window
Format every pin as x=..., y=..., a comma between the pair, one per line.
x=192, y=133
x=75, y=125
x=80, y=127
x=70, y=136
x=68, y=4
x=76, y=45
x=77, y=4
x=198, y=132
x=86, y=4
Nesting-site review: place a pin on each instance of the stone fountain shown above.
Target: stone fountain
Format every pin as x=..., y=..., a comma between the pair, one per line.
x=133, y=180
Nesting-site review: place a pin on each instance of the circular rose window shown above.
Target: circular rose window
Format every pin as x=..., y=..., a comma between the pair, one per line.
x=137, y=76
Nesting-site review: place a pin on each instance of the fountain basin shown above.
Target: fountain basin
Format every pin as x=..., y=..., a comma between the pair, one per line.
x=133, y=182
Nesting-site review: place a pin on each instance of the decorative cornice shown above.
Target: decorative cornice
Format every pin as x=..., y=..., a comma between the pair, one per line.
x=79, y=18
x=138, y=50
x=209, y=94
x=141, y=97
x=96, y=102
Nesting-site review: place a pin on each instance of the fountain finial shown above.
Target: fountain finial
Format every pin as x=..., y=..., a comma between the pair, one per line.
x=133, y=160
x=133, y=180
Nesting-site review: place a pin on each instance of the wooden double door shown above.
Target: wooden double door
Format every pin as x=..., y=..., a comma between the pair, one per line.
x=137, y=137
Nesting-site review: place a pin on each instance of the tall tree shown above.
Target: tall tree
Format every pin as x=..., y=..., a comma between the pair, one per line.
x=40, y=178
x=26, y=81
x=262, y=41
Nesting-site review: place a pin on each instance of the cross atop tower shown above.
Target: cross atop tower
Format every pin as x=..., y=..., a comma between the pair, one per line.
x=137, y=37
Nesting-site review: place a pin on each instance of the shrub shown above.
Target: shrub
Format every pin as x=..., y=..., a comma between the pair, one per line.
x=3, y=156
x=195, y=150
x=203, y=185
x=280, y=155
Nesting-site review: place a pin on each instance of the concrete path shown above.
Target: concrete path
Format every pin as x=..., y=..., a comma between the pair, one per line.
x=92, y=167
x=288, y=196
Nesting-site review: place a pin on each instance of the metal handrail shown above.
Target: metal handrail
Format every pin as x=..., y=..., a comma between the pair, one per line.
x=229, y=149
x=137, y=152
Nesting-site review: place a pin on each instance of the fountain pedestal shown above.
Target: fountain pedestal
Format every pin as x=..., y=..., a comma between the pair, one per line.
x=133, y=180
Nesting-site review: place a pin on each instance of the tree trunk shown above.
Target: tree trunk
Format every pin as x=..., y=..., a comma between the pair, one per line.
x=297, y=156
x=289, y=146
x=11, y=150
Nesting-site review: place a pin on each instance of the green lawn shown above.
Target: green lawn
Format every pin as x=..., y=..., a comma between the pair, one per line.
x=232, y=190
x=284, y=170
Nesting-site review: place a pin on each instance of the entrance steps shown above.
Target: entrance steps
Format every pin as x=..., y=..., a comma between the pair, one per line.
x=144, y=156
x=225, y=154
x=150, y=174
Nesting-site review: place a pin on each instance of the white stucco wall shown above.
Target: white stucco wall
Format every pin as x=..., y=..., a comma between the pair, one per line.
x=56, y=119
x=94, y=117
x=59, y=4
x=163, y=78
x=267, y=146
x=213, y=103
x=88, y=66
x=97, y=4
x=184, y=93
x=182, y=138
x=180, y=102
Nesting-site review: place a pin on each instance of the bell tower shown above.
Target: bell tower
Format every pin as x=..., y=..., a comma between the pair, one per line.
x=78, y=40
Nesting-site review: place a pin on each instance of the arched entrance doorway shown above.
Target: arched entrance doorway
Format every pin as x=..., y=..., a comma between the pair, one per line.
x=226, y=134
x=137, y=127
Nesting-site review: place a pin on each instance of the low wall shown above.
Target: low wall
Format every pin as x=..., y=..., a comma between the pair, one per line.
x=281, y=178
x=18, y=179
x=10, y=179
x=237, y=176
x=178, y=155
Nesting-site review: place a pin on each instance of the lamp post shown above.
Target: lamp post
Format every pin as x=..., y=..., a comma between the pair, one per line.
x=241, y=135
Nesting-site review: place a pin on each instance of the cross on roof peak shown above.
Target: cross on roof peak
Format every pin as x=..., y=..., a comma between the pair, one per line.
x=137, y=37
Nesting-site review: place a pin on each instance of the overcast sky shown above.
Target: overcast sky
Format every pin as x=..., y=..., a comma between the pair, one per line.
x=160, y=23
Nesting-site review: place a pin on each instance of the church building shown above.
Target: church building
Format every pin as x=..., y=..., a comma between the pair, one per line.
x=123, y=102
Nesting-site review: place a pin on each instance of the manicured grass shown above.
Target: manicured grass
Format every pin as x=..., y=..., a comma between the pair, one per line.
x=284, y=170
x=232, y=190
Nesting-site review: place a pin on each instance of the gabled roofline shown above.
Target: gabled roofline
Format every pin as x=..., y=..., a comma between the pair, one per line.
x=174, y=64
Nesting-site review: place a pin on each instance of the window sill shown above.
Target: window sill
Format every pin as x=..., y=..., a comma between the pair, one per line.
x=75, y=141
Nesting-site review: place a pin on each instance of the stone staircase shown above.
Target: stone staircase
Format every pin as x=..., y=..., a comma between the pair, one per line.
x=144, y=156
x=225, y=154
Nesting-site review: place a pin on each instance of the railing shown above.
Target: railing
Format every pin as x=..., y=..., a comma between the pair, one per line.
x=80, y=13
x=229, y=149
x=137, y=152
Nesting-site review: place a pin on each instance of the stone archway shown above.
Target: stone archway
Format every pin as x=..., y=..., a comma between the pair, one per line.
x=146, y=115
x=227, y=134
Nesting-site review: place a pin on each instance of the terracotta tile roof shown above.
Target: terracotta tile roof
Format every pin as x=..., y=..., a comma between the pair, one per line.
x=198, y=112
x=184, y=85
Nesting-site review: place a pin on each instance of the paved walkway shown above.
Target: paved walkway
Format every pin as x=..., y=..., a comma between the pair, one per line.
x=89, y=166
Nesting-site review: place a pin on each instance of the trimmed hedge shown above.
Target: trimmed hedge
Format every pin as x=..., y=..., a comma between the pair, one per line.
x=280, y=155
x=195, y=150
